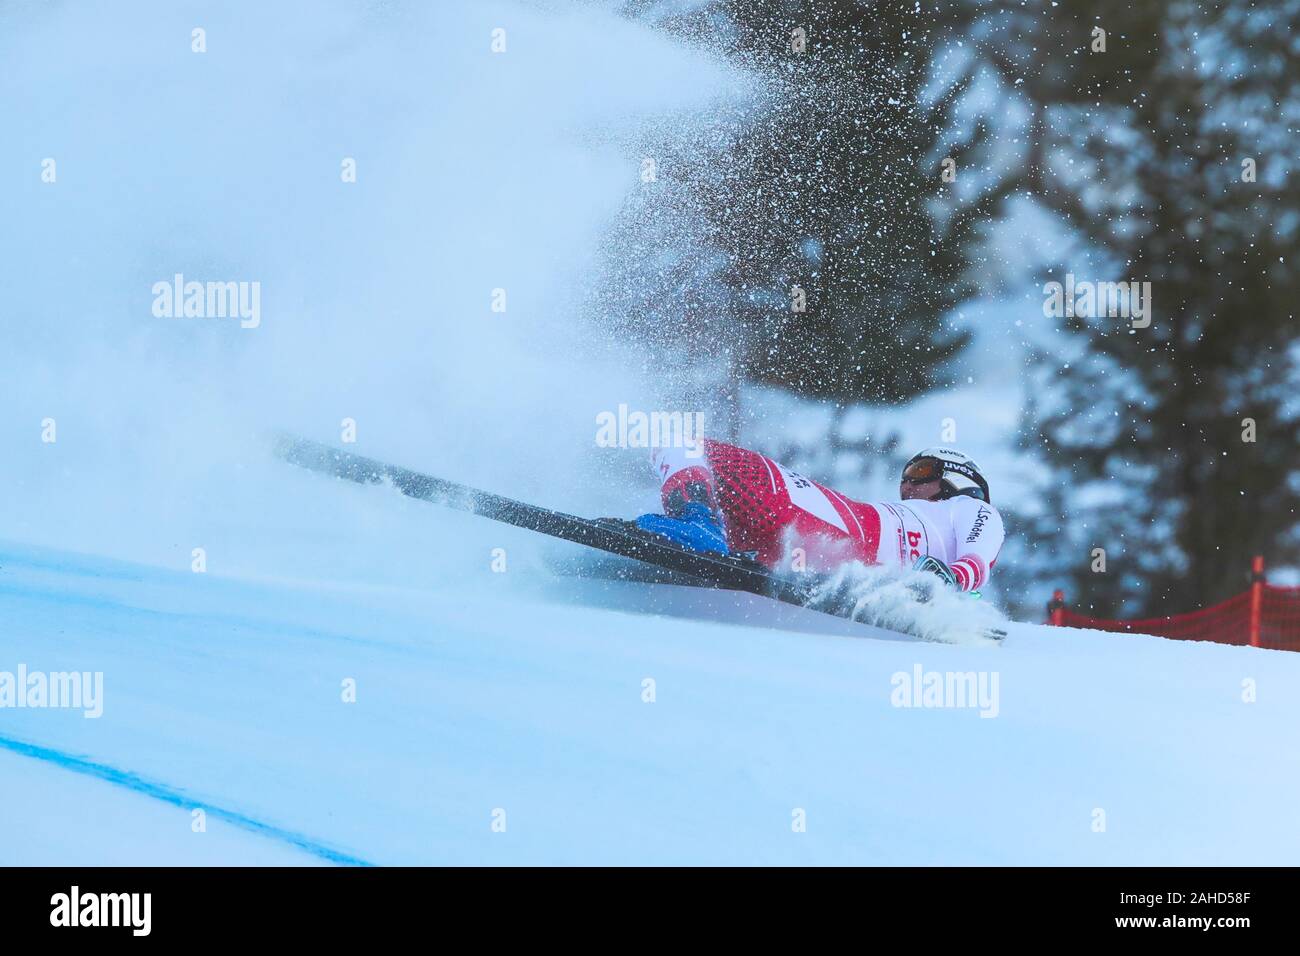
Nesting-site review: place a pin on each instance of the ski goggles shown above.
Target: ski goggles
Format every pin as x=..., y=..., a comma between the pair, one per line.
x=957, y=478
x=922, y=470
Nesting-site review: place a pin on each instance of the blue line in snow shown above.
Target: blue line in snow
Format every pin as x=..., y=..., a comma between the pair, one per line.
x=131, y=781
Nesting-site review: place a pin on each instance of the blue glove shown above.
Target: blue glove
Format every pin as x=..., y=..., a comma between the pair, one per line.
x=697, y=528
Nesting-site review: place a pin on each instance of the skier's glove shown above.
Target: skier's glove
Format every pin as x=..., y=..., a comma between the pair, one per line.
x=697, y=529
x=937, y=568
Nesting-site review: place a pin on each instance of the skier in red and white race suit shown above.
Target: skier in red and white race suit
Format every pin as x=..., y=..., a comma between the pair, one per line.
x=720, y=498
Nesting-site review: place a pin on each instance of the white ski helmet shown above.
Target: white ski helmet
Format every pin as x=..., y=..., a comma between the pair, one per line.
x=959, y=473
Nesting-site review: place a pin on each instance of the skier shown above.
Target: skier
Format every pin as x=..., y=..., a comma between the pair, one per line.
x=730, y=500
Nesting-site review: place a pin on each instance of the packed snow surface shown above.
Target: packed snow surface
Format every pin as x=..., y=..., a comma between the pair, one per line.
x=510, y=724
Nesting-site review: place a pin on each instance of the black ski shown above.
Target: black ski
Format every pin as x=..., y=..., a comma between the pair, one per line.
x=611, y=535
x=606, y=534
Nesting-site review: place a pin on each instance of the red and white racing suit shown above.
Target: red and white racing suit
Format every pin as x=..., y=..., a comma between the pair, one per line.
x=769, y=509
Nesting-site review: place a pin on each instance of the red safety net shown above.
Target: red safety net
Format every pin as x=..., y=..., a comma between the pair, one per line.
x=1275, y=622
x=1279, y=624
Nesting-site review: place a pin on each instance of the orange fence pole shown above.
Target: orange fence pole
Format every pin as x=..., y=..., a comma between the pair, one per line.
x=1256, y=597
x=1056, y=609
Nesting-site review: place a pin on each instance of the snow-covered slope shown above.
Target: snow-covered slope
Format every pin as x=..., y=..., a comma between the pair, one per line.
x=510, y=704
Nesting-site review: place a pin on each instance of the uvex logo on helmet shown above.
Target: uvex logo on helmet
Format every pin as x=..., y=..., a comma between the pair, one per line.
x=958, y=472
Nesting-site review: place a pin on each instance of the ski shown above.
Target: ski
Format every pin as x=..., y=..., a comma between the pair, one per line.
x=610, y=535
x=613, y=536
